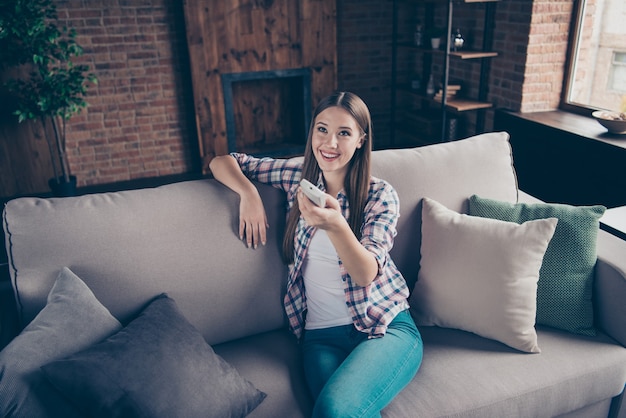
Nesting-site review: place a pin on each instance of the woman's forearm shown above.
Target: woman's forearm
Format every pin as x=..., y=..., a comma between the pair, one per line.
x=356, y=259
x=226, y=170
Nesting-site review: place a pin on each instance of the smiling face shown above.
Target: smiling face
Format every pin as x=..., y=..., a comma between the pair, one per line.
x=335, y=138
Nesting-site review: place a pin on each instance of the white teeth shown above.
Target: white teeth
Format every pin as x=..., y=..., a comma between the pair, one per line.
x=329, y=155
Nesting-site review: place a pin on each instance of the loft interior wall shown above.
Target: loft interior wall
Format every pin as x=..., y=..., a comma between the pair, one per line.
x=141, y=120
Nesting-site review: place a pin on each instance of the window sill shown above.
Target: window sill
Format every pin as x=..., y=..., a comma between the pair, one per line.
x=566, y=157
x=582, y=126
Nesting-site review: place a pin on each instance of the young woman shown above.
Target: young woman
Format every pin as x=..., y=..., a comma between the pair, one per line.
x=346, y=300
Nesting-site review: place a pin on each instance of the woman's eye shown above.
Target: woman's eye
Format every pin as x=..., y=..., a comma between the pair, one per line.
x=344, y=133
x=321, y=129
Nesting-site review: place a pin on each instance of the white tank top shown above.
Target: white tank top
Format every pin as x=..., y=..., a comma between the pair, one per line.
x=325, y=298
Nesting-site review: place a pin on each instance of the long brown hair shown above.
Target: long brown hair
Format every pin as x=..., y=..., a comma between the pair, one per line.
x=357, y=179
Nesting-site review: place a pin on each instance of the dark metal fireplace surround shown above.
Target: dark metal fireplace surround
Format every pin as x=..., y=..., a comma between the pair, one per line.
x=272, y=106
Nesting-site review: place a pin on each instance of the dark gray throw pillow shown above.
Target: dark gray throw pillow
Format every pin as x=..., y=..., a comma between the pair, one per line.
x=159, y=365
x=72, y=320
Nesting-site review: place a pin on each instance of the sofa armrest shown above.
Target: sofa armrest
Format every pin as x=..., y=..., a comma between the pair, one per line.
x=610, y=282
x=610, y=286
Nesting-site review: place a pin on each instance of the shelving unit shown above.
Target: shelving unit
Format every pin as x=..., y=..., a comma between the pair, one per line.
x=415, y=122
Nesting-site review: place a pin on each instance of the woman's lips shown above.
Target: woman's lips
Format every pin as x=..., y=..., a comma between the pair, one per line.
x=329, y=156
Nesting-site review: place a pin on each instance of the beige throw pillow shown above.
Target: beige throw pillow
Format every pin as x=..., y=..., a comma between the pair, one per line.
x=480, y=275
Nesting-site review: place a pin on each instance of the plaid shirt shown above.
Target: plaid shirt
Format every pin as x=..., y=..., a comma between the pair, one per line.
x=372, y=307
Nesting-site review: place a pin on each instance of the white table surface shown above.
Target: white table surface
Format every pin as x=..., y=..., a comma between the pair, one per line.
x=614, y=221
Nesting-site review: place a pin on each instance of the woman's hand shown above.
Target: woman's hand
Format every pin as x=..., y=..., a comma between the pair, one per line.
x=252, y=220
x=323, y=218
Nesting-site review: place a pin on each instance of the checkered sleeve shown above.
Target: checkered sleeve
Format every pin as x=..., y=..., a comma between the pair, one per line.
x=379, y=226
x=280, y=173
x=375, y=306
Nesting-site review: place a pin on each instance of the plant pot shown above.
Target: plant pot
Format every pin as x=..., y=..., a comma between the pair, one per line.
x=435, y=42
x=61, y=188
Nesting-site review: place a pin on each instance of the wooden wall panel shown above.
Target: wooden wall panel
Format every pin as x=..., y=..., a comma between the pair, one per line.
x=25, y=164
x=249, y=36
x=266, y=114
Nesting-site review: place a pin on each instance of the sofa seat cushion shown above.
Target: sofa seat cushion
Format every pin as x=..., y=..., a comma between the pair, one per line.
x=488, y=379
x=271, y=362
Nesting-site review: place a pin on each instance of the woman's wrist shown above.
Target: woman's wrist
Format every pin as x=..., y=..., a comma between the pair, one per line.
x=247, y=190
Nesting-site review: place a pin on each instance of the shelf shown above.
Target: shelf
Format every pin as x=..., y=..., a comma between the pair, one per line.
x=464, y=55
x=464, y=105
x=456, y=104
x=439, y=62
x=468, y=55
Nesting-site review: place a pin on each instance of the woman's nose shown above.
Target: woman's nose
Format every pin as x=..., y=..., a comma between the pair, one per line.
x=333, y=140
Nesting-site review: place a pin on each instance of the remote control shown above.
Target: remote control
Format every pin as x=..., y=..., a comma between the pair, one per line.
x=313, y=193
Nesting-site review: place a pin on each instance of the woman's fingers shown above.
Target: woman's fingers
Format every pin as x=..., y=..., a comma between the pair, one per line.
x=254, y=233
x=242, y=229
x=252, y=221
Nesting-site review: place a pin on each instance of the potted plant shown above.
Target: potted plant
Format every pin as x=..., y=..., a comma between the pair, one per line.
x=44, y=83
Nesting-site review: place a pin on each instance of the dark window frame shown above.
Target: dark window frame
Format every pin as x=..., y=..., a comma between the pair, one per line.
x=574, y=34
x=575, y=31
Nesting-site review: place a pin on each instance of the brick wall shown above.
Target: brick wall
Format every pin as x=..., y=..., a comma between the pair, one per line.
x=546, y=54
x=531, y=38
x=364, y=30
x=139, y=122
x=511, y=42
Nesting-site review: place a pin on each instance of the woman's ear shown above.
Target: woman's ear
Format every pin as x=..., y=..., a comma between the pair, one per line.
x=362, y=140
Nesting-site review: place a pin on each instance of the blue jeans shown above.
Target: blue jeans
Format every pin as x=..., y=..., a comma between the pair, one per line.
x=350, y=375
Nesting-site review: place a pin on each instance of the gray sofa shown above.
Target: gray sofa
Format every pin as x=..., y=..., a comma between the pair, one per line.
x=181, y=239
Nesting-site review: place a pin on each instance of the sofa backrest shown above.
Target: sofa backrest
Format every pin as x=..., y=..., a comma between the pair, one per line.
x=133, y=245
x=449, y=173
x=182, y=238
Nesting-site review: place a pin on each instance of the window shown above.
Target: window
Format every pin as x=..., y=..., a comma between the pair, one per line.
x=596, y=77
x=617, y=79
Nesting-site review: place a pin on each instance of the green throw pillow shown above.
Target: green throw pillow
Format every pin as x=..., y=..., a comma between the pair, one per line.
x=564, y=291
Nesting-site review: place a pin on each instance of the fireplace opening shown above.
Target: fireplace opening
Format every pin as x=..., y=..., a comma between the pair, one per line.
x=267, y=112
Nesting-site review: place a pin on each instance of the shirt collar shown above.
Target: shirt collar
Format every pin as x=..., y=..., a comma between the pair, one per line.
x=322, y=186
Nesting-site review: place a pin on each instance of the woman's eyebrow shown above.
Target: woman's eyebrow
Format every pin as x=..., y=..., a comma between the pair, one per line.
x=319, y=122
